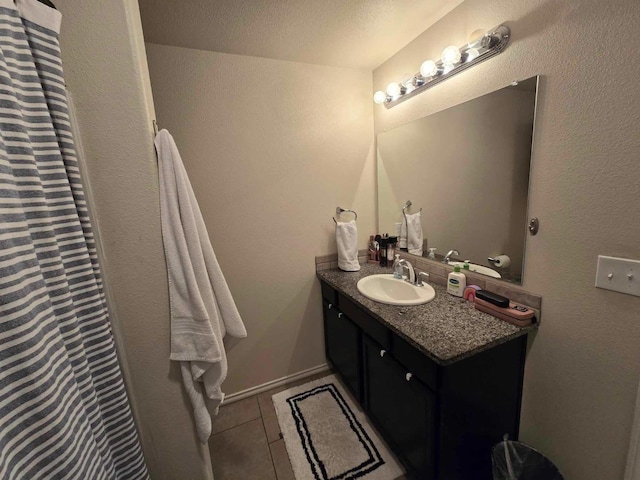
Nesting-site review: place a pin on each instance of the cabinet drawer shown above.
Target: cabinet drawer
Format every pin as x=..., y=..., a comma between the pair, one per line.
x=370, y=326
x=416, y=362
x=329, y=294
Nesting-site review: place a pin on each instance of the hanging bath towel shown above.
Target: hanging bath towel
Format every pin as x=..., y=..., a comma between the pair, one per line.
x=202, y=308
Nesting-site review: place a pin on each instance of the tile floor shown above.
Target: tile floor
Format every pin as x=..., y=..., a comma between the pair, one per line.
x=246, y=443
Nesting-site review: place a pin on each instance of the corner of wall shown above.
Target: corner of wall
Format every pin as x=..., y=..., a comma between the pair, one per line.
x=105, y=65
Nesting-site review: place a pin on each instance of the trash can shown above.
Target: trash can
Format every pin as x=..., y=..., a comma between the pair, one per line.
x=518, y=461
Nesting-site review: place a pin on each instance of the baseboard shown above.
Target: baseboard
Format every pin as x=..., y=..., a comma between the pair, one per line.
x=249, y=392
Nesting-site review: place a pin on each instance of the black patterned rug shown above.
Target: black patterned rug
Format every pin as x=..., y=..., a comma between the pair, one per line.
x=328, y=437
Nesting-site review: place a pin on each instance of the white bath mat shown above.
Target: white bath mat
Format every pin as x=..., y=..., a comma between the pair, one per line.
x=328, y=437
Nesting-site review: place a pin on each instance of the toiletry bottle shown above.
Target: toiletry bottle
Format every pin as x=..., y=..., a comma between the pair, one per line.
x=465, y=265
x=432, y=253
x=397, y=268
x=372, y=250
x=457, y=282
x=377, y=242
x=383, y=251
x=391, y=249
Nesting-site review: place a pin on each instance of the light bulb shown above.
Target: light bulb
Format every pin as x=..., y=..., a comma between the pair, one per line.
x=393, y=89
x=429, y=69
x=379, y=97
x=471, y=54
x=451, y=55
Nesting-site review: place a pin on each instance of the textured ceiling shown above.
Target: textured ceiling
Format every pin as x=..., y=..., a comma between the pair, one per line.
x=344, y=33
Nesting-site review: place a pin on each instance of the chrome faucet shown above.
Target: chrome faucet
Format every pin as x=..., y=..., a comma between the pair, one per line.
x=451, y=252
x=419, y=278
x=411, y=277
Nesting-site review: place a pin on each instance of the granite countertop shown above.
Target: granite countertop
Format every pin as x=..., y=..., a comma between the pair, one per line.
x=447, y=329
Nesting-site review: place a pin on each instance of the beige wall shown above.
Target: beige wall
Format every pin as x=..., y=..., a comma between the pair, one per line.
x=582, y=370
x=106, y=73
x=271, y=147
x=445, y=163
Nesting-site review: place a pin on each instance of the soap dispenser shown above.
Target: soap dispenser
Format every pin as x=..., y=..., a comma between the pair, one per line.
x=457, y=282
x=397, y=268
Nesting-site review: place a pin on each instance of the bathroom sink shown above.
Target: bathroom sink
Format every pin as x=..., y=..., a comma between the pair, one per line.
x=489, y=272
x=384, y=288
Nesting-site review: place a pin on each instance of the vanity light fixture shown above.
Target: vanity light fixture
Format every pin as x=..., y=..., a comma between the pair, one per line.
x=394, y=89
x=428, y=69
x=451, y=55
x=380, y=97
x=454, y=60
x=472, y=53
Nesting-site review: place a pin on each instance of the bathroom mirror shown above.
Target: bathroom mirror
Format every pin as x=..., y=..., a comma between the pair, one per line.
x=467, y=168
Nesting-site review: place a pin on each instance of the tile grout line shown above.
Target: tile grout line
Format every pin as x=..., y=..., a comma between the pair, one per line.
x=237, y=425
x=270, y=443
x=264, y=429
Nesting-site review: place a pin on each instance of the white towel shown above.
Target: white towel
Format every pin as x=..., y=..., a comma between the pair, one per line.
x=411, y=236
x=347, y=240
x=202, y=308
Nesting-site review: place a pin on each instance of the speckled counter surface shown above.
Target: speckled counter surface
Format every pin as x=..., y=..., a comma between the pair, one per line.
x=447, y=329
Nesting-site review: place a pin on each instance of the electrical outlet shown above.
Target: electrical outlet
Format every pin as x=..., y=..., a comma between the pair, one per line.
x=618, y=274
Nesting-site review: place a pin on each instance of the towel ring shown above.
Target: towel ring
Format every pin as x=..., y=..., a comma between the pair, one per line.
x=340, y=210
x=407, y=205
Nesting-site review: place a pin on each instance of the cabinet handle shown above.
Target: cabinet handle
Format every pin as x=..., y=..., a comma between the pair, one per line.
x=408, y=376
x=340, y=315
x=382, y=352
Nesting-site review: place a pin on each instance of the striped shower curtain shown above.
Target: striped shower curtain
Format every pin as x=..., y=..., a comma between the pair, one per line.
x=64, y=411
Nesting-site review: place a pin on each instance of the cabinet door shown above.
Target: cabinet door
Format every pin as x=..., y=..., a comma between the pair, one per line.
x=402, y=407
x=342, y=342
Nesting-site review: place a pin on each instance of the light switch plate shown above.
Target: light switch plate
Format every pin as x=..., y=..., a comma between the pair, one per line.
x=618, y=274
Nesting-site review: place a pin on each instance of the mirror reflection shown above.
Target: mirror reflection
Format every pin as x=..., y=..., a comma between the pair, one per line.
x=467, y=169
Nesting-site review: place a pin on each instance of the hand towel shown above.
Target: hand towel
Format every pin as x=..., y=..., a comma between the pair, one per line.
x=402, y=239
x=202, y=308
x=347, y=240
x=411, y=231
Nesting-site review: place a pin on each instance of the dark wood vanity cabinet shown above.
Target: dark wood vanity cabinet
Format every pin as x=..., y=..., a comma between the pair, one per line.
x=342, y=346
x=401, y=406
x=441, y=421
